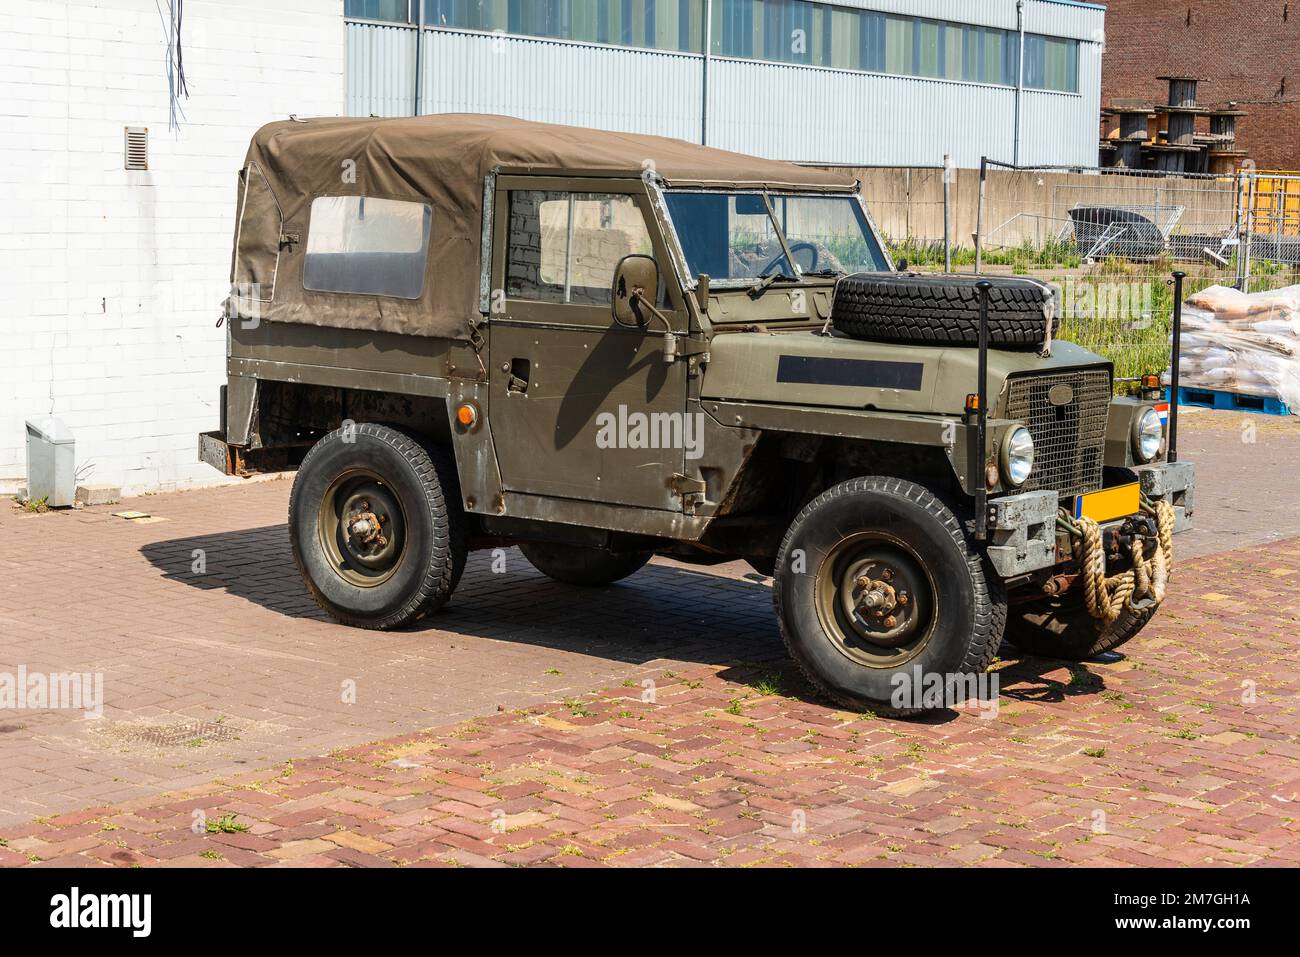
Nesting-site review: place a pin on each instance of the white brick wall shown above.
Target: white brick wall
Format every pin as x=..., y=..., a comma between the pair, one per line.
x=112, y=280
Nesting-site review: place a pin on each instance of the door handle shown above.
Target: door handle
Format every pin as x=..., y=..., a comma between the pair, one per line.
x=517, y=376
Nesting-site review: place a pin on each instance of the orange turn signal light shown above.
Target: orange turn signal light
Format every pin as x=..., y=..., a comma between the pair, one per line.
x=1151, y=381
x=973, y=402
x=467, y=415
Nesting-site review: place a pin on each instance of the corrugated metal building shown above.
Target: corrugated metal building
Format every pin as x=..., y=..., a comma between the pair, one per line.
x=854, y=82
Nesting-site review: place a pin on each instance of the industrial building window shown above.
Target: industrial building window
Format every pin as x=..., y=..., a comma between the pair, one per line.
x=783, y=31
x=367, y=246
x=563, y=247
x=658, y=24
x=822, y=34
x=397, y=11
x=1051, y=64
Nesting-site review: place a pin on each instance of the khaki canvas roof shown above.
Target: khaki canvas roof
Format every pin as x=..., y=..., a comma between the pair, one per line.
x=443, y=160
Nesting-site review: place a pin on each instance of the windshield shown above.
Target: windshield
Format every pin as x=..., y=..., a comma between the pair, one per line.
x=827, y=234
x=731, y=236
x=728, y=235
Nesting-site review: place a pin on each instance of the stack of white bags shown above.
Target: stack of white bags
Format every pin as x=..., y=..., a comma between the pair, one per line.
x=1248, y=343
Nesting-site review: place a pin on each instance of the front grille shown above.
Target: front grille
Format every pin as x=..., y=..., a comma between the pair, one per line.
x=1069, y=439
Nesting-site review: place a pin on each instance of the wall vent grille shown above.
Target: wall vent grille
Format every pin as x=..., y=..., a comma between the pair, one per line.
x=137, y=147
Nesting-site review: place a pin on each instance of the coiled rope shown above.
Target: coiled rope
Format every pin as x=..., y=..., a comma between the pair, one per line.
x=1107, y=597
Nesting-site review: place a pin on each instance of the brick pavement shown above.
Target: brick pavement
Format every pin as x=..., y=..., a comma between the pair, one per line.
x=1154, y=759
x=241, y=647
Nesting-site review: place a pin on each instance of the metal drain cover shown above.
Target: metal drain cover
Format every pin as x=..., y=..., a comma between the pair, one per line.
x=187, y=734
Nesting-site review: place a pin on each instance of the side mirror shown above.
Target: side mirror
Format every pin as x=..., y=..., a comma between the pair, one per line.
x=636, y=285
x=901, y=265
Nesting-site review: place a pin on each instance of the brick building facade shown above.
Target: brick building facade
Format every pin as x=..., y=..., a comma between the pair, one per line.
x=1247, y=51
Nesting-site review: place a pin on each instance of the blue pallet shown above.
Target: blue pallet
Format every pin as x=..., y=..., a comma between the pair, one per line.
x=1232, y=401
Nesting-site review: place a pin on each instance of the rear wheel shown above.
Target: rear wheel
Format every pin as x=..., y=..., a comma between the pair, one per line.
x=582, y=564
x=376, y=526
x=1063, y=628
x=881, y=596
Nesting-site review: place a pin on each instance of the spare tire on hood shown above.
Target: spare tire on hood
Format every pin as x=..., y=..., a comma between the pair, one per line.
x=943, y=309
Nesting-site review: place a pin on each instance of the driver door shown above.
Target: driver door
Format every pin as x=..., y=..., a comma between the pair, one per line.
x=581, y=407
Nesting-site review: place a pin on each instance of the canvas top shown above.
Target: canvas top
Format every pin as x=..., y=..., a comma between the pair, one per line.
x=441, y=161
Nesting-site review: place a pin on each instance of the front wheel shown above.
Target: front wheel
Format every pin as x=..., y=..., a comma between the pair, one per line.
x=376, y=526
x=883, y=601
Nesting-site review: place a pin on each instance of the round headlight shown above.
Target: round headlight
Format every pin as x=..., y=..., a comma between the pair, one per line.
x=1018, y=456
x=1147, y=433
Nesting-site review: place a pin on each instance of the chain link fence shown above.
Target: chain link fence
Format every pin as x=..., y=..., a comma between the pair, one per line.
x=1109, y=238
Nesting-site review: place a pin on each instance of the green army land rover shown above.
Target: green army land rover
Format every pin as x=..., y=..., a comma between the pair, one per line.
x=472, y=332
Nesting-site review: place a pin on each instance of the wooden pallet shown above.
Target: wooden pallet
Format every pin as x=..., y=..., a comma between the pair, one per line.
x=1232, y=401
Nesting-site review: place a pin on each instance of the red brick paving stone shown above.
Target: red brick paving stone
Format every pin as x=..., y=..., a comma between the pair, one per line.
x=1191, y=774
x=849, y=819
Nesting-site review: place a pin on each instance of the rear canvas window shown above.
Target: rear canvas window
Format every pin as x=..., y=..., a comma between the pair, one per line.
x=257, y=244
x=367, y=246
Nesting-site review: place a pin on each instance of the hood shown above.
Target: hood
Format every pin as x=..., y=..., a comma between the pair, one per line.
x=807, y=368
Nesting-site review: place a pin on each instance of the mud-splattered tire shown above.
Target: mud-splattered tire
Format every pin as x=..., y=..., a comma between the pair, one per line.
x=940, y=309
x=372, y=475
x=1062, y=628
x=582, y=565
x=903, y=541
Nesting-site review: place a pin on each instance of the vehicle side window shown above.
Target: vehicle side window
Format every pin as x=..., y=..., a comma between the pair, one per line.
x=367, y=246
x=563, y=247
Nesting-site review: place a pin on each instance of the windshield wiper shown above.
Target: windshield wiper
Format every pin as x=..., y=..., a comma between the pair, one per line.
x=826, y=272
x=766, y=280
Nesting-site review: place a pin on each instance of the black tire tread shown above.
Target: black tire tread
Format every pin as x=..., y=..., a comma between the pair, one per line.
x=940, y=310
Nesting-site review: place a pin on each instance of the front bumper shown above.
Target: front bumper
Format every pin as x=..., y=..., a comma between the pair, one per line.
x=1022, y=528
x=1175, y=484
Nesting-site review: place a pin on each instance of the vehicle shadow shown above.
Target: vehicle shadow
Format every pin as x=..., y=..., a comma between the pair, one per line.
x=666, y=610
x=663, y=611
x=1025, y=677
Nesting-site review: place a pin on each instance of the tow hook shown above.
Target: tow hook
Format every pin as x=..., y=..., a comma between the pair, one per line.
x=1059, y=584
x=1119, y=541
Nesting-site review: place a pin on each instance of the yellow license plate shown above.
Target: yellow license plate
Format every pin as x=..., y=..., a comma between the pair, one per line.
x=1109, y=503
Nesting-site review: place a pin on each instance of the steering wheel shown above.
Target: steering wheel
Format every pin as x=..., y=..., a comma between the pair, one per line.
x=797, y=246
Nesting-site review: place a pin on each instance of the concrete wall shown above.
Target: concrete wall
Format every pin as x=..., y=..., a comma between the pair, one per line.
x=113, y=279
x=1032, y=206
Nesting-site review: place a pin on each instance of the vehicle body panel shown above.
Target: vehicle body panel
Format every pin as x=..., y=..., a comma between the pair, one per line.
x=807, y=368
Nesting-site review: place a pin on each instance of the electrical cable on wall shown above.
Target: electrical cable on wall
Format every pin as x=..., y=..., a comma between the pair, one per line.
x=177, y=86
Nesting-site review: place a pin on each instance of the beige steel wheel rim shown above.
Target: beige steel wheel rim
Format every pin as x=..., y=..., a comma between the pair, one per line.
x=875, y=600
x=361, y=524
